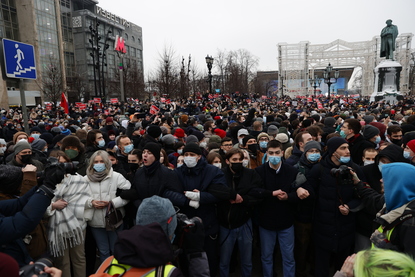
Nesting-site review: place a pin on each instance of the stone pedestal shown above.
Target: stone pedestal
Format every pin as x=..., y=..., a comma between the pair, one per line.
x=387, y=76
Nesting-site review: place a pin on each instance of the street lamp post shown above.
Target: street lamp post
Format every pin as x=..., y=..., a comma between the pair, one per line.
x=104, y=56
x=328, y=77
x=209, y=63
x=315, y=83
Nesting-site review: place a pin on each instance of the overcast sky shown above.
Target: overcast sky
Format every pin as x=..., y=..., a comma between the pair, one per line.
x=202, y=27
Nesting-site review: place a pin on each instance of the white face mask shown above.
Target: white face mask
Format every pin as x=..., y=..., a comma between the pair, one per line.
x=368, y=162
x=240, y=141
x=179, y=165
x=190, y=161
x=203, y=144
x=245, y=163
x=2, y=149
x=218, y=165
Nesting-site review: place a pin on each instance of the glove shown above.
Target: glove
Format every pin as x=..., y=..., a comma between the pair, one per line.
x=299, y=180
x=194, y=204
x=192, y=195
x=194, y=237
x=53, y=176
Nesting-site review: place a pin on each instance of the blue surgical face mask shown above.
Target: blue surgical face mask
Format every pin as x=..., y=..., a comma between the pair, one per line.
x=99, y=167
x=263, y=144
x=342, y=134
x=344, y=160
x=406, y=155
x=101, y=143
x=313, y=157
x=180, y=151
x=380, y=166
x=377, y=140
x=35, y=136
x=128, y=148
x=274, y=159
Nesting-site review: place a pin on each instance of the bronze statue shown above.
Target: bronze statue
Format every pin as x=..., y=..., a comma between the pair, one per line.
x=388, y=40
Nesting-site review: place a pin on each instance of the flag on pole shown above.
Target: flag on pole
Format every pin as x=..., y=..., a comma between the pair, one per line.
x=64, y=103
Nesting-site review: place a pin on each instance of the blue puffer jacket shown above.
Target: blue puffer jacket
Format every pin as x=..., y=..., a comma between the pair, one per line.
x=199, y=177
x=19, y=217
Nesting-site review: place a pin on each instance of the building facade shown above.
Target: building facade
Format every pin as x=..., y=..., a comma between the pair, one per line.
x=61, y=32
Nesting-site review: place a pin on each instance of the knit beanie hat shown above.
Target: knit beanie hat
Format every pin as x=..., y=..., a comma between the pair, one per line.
x=282, y=137
x=8, y=266
x=263, y=134
x=154, y=131
x=48, y=137
x=272, y=130
x=192, y=139
x=333, y=144
x=10, y=178
x=411, y=145
x=246, y=138
x=329, y=121
x=198, y=134
x=221, y=133
x=192, y=147
x=160, y=210
x=66, y=132
x=35, y=129
x=154, y=148
x=312, y=144
x=39, y=144
x=18, y=134
x=20, y=146
x=179, y=133
x=168, y=139
x=2, y=141
x=56, y=131
x=370, y=131
x=215, y=139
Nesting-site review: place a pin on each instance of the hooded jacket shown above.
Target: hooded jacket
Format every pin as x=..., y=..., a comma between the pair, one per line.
x=399, y=210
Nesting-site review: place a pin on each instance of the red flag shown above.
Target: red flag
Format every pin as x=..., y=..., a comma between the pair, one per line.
x=64, y=103
x=154, y=109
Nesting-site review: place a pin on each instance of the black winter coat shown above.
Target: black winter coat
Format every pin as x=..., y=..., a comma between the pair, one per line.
x=246, y=184
x=333, y=231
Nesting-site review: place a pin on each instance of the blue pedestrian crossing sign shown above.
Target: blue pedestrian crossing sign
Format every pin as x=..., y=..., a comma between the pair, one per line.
x=19, y=59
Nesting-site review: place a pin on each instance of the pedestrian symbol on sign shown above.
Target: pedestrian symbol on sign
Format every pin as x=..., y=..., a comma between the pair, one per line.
x=19, y=59
x=19, y=56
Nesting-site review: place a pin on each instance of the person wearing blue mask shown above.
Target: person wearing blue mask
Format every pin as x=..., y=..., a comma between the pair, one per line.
x=305, y=208
x=334, y=216
x=276, y=214
x=125, y=146
x=103, y=183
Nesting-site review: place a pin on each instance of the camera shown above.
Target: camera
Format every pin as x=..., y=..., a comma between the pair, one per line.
x=70, y=167
x=343, y=174
x=36, y=268
x=185, y=223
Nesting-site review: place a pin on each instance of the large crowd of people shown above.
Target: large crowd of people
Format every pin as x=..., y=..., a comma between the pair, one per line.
x=313, y=179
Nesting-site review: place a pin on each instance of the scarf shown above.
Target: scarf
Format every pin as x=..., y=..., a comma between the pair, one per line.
x=65, y=227
x=97, y=177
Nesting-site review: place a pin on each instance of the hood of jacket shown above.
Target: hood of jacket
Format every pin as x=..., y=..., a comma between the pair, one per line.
x=393, y=153
x=143, y=246
x=399, y=189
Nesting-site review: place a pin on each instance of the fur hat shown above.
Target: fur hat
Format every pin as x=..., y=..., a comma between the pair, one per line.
x=72, y=140
x=154, y=148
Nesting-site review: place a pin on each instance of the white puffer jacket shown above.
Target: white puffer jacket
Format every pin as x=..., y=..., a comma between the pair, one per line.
x=105, y=191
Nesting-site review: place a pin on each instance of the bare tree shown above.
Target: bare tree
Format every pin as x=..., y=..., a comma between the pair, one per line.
x=52, y=83
x=78, y=88
x=133, y=81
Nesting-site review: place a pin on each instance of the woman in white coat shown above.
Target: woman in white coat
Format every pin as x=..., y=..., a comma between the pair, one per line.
x=103, y=183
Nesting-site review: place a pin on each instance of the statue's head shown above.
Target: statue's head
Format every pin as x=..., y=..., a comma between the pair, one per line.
x=389, y=22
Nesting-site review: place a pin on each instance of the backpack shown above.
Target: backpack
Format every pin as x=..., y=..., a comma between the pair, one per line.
x=111, y=268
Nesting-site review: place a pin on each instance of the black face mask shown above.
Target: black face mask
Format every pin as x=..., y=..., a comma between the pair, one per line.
x=397, y=142
x=26, y=159
x=236, y=167
x=133, y=166
x=253, y=148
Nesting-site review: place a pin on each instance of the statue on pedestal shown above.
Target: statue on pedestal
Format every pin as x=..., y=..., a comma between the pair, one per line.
x=388, y=40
